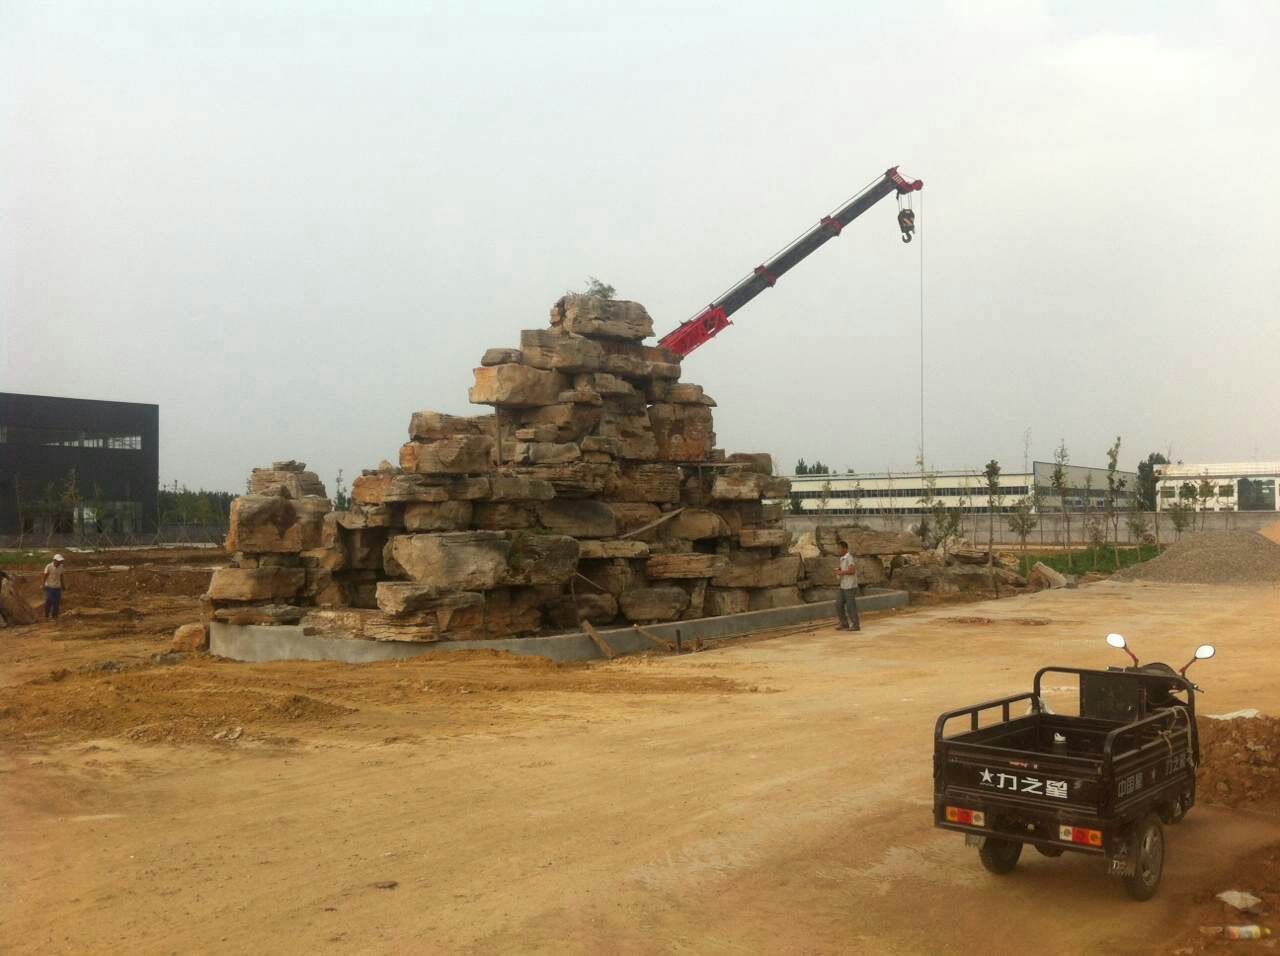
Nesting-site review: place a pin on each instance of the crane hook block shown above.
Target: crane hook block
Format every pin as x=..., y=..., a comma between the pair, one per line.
x=907, y=223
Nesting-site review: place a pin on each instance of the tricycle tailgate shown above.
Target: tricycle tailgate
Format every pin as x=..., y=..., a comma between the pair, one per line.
x=1045, y=783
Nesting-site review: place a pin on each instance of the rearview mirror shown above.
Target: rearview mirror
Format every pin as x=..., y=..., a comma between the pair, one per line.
x=1204, y=652
x=1117, y=641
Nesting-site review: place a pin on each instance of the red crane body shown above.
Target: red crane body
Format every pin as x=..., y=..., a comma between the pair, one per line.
x=715, y=317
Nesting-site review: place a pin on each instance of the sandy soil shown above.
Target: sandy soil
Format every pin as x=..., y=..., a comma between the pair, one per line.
x=771, y=796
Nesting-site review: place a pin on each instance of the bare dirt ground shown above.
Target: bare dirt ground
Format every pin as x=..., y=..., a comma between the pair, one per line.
x=771, y=796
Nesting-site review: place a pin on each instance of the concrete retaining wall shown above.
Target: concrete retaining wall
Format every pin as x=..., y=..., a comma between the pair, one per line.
x=284, y=642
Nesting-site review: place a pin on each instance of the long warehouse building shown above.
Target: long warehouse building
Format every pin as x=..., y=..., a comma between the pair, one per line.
x=964, y=489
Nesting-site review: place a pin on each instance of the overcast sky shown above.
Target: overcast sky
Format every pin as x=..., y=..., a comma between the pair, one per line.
x=292, y=224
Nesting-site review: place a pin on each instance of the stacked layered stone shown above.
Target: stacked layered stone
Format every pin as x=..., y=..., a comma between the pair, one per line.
x=593, y=491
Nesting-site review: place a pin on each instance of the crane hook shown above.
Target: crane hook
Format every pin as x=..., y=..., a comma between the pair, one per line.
x=907, y=223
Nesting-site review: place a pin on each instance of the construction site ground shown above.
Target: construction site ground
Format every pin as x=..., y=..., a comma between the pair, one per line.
x=771, y=794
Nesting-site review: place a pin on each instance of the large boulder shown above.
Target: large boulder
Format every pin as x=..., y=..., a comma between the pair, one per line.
x=689, y=564
x=256, y=584
x=755, y=569
x=594, y=548
x=261, y=524
x=1044, y=577
x=575, y=479
x=721, y=601
x=399, y=598
x=757, y=461
x=696, y=524
x=654, y=604
x=599, y=609
x=682, y=432
x=539, y=452
x=14, y=608
x=549, y=350
x=503, y=515
x=633, y=515
x=764, y=599
x=458, y=455
x=743, y=486
x=614, y=577
x=506, y=487
x=596, y=316
x=866, y=543
x=458, y=561
x=516, y=385
x=655, y=483
x=432, y=426
x=437, y=516
x=579, y=517
x=190, y=639
x=537, y=559
x=764, y=537
x=287, y=480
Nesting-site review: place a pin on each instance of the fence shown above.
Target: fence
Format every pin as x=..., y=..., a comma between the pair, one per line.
x=195, y=536
x=1051, y=528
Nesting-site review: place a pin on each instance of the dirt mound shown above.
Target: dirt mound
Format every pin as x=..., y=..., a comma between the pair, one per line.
x=1212, y=557
x=1271, y=532
x=169, y=704
x=1238, y=765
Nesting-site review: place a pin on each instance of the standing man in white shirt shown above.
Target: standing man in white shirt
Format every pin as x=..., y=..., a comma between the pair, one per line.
x=53, y=588
x=847, y=603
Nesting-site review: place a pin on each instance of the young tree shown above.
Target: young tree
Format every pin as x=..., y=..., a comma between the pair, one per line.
x=1022, y=521
x=1136, y=521
x=1147, y=480
x=855, y=499
x=929, y=487
x=1206, y=492
x=796, y=507
x=70, y=502
x=1182, y=515
x=1058, y=480
x=994, y=500
x=824, y=496
x=1115, y=485
x=22, y=506
x=598, y=288
x=994, y=497
x=341, y=497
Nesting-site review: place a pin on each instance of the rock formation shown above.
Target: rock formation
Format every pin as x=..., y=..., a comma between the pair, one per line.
x=593, y=491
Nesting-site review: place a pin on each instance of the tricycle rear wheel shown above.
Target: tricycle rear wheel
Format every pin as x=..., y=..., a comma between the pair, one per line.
x=999, y=855
x=1147, y=849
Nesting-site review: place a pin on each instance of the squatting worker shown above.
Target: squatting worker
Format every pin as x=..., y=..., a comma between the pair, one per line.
x=846, y=604
x=53, y=587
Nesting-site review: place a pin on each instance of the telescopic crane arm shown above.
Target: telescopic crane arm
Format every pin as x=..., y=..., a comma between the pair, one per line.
x=708, y=323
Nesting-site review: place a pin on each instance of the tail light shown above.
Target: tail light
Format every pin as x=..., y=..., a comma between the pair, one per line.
x=1080, y=835
x=972, y=818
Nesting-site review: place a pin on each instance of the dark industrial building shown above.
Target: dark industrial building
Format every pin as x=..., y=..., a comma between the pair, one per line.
x=71, y=464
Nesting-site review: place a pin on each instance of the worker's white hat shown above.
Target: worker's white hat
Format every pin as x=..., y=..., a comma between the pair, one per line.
x=58, y=557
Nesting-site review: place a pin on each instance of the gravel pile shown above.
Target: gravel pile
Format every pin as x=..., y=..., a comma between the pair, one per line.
x=1212, y=557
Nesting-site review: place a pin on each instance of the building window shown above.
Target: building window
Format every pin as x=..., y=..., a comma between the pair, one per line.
x=68, y=438
x=1167, y=491
x=1226, y=491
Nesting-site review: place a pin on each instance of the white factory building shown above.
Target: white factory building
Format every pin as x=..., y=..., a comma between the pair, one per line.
x=965, y=489
x=1219, y=486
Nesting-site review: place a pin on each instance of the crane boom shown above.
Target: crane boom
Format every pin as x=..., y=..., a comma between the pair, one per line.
x=708, y=323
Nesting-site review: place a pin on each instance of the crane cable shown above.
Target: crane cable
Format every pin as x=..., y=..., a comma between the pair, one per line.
x=920, y=239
